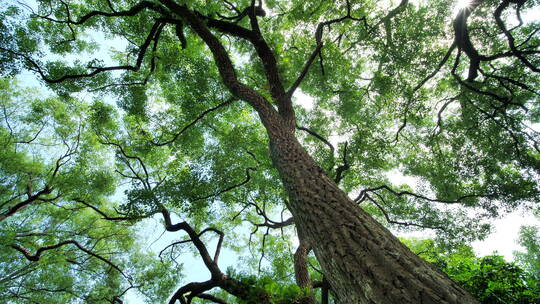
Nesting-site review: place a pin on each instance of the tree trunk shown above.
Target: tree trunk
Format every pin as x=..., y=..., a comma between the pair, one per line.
x=362, y=260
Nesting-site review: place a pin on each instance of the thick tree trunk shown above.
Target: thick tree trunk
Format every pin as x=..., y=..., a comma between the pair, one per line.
x=362, y=260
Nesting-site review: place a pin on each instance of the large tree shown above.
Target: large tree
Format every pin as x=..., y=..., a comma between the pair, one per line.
x=208, y=127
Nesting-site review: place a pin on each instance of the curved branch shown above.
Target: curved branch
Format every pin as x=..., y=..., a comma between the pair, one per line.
x=318, y=47
x=438, y=68
x=194, y=289
x=391, y=14
x=389, y=220
x=107, y=217
x=319, y=137
x=210, y=297
x=194, y=237
x=171, y=245
x=364, y=194
x=267, y=221
x=219, y=243
x=137, y=8
x=137, y=158
x=265, y=53
x=271, y=69
x=344, y=167
x=35, y=257
x=245, y=181
x=463, y=40
x=26, y=202
x=510, y=38
x=218, y=278
x=201, y=116
x=96, y=70
x=272, y=121
x=276, y=225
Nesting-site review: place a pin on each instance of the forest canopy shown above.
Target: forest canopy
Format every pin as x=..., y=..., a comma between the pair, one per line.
x=282, y=132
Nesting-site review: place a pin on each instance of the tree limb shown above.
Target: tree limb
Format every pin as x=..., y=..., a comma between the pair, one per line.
x=344, y=167
x=318, y=47
x=35, y=257
x=269, y=116
x=319, y=137
x=463, y=40
x=36, y=197
x=363, y=195
x=201, y=116
x=389, y=220
x=229, y=188
x=265, y=53
x=510, y=38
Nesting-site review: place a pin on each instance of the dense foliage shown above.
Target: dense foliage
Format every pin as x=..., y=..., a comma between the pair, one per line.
x=133, y=128
x=529, y=238
x=490, y=279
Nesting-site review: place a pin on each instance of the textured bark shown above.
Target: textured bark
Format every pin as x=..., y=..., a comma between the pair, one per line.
x=362, y=260
x=301, y=272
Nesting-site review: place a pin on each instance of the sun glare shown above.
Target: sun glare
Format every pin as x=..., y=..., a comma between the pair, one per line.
x=461, y=5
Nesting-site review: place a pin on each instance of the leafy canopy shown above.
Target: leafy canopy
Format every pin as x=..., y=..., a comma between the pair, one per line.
x=137, y=124
x=490, y=279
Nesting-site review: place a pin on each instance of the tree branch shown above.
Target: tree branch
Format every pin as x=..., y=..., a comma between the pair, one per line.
x=229, y=188
x=35, y=257
x=438, y=68
x=510, y=38
x=269, y=116
x=318, y=47
x=266, y=55
x=344, y=167
x=137, y=8
x=301, y=272
x=201, y=116
x=319, y=137
x=210, y=297
x=363, y=195
x=218, y=279
x=96, y=70
x=390, y=221
x=36, y=197
x=107, y=217
x=463, y=40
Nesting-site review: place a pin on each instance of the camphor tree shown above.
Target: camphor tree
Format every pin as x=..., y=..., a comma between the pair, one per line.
x=207, y=126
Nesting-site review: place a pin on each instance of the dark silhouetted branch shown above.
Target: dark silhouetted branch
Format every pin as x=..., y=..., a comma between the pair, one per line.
x=107, y=217
x=363, y=195
x=201, y=116
x=318, y=47
x=389, y=220
x=344, y=167
x=35, y=257
x=33, y=198
x=229, y=188
x=319, y=137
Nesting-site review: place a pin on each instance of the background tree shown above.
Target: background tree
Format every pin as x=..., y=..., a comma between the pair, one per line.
x=446, y=97
x=529, y=238
x=56, y=244
x=490, y=279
